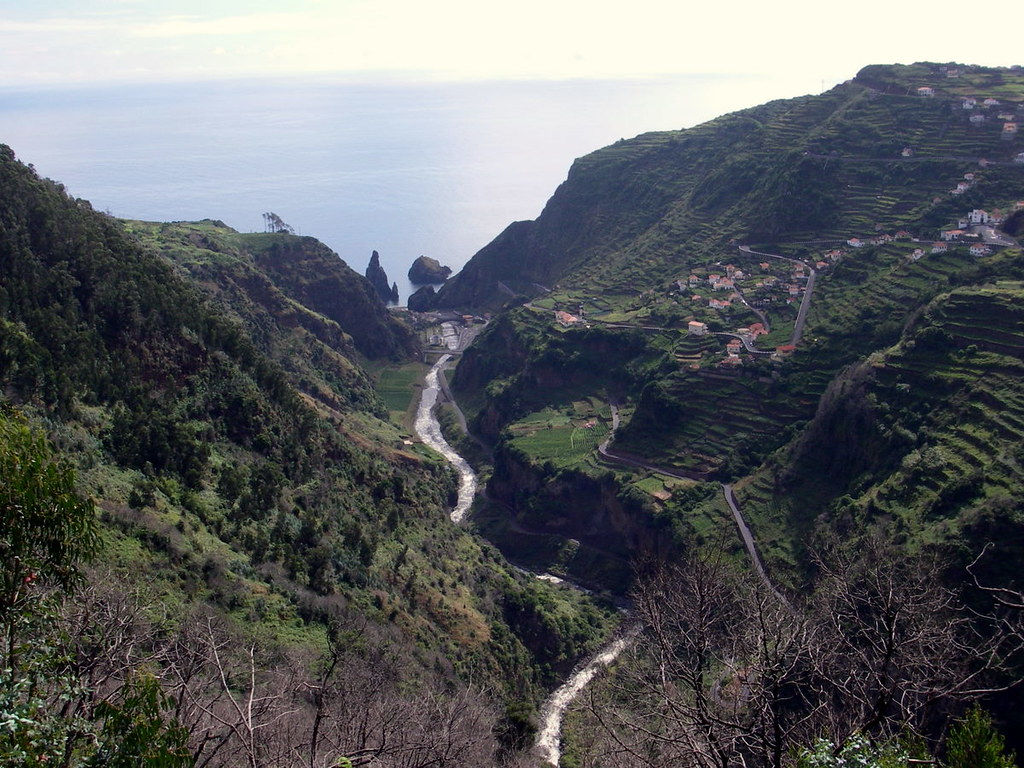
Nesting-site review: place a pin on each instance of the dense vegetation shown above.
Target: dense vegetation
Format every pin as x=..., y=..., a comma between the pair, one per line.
x=237, y=405
x=210, y=389
x=895, y=413
x=640, y=226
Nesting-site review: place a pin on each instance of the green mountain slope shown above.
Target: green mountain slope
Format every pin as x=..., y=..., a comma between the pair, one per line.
x=631, y=247
x=214, y=406
x=818, y=166
x=924, y=436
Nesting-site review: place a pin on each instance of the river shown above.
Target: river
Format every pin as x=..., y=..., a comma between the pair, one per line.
x=429, y=430
x=548, y=745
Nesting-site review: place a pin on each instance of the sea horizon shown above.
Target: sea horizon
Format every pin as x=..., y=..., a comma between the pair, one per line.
x=429, y=167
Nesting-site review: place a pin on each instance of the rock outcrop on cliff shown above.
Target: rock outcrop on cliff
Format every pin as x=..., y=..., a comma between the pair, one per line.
x=378, y=278
x=423, y=299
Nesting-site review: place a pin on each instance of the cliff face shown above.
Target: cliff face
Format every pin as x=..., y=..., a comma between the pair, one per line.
x=422, y=299
x=315, y=275
x=576, y=505
x=388, y=292
x=276, y=283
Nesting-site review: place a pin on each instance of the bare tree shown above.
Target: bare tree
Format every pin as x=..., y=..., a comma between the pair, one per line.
x=730, y=676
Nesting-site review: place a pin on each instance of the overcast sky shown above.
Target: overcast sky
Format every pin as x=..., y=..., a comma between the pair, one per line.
x=809, y=43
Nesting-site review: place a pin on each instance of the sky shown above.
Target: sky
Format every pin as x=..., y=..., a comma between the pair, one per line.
x=808, y=45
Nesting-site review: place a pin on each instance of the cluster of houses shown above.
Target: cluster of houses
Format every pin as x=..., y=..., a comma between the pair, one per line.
x=735, y=345
x=879, y=239
x=1010, y=116
x=715, y=282
x=961, y=234
x=727, y=282
x=963, y=186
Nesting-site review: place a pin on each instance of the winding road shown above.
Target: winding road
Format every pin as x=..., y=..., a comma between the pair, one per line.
x=730, y=499
x=805, y=303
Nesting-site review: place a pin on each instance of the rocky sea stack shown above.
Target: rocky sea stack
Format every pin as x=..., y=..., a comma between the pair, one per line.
x=425, y=271
x=378, y=278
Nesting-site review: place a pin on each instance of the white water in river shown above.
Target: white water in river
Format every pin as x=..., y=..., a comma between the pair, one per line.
x=429, y=430
x=548, y=746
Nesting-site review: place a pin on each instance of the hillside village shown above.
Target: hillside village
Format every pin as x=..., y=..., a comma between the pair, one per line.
x=718, y=295
x=778, y=286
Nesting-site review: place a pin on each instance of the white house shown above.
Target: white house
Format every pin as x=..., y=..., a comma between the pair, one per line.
x=977, y=119
x=962, y=187
x=991, y=102
x=1009, y=129
x=978, y=249
x=939, y=248
x=978, y=216
x=952, y=234
x=970, y=103
x=697, y=328
x=907, y=152
x=1019, y=158
x=855, y=242
x=925, y=91
x=917, y=254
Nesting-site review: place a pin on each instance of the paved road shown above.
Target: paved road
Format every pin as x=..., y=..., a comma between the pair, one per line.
x=761, y=315
x=730, y=498
x=805, y=303
x=990, y=236
x=748, y=542
x=912, y=159
x=747, y=344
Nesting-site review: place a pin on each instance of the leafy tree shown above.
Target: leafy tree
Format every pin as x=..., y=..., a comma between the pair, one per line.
x=48, y=714
x=975, y=743
x=47, y=529
x=858, y=750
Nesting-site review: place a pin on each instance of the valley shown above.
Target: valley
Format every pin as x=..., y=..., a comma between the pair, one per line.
x=716, y=459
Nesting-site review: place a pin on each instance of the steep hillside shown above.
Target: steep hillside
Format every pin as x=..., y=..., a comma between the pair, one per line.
x=924, y=437
x=233, y=477
x=805, y=226
x=298, y=278
x=821, y=166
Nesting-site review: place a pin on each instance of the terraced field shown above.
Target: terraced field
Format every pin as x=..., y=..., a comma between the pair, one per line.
x=565, y=437
x=943, y=410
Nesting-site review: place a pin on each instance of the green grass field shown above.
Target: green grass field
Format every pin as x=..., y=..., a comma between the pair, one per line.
x=397, y=386
x=566, y=436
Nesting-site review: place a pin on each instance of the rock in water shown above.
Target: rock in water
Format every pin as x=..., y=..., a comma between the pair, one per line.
x=423, y=299
x=426, y=270
x=379, y=279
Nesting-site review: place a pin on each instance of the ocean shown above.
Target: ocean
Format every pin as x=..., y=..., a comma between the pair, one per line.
x=402, y=168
